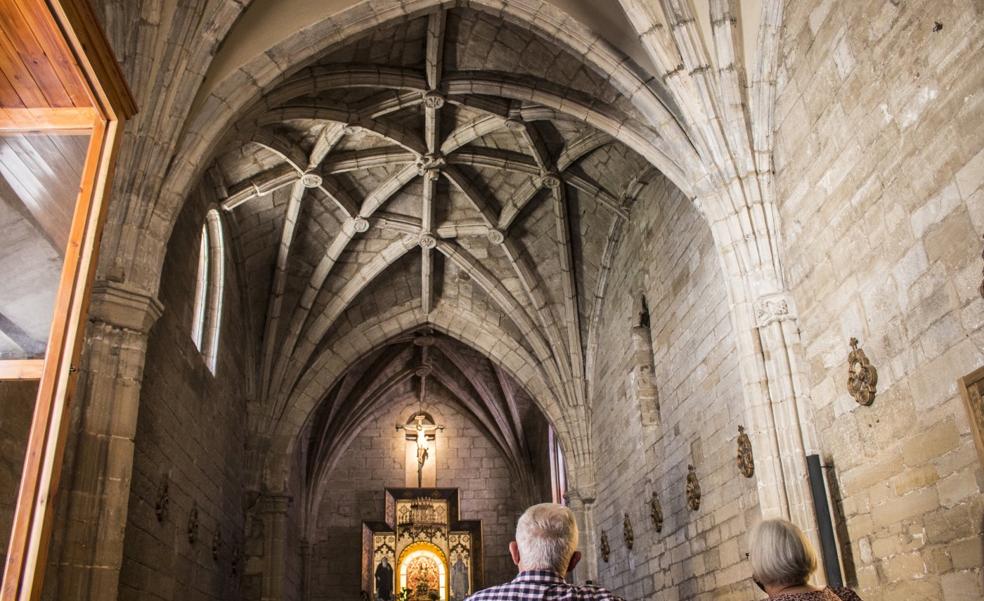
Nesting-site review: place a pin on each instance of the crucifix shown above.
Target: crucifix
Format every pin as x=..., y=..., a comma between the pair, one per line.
x=421, y=428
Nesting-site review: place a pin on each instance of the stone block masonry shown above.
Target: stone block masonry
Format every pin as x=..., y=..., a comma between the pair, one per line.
x=879, y=165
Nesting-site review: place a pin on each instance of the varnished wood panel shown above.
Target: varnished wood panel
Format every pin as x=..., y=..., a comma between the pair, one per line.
x=38, y=69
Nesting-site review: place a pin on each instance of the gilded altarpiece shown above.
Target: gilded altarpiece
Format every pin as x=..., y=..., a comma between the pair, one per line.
x=422, y=546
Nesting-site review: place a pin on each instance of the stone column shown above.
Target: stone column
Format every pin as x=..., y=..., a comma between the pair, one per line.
x=582, y=505
x=791, y=426
x=95, y=489
x=273, y=511
x=307, y=576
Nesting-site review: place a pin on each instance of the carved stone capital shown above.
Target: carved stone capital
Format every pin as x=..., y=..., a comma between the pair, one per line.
x=274, y=503
x=772, y=308
x=124, y=307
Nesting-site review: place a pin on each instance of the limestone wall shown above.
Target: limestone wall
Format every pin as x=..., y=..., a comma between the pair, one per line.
x=695, y=370
x=466, y=459
x=879, y=166
x=191, y=426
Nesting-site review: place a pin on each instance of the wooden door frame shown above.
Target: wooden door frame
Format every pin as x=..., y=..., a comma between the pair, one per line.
x=112, y=104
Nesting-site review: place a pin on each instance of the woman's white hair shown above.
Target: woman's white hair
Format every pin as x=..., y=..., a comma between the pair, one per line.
x=546, y=535
x=780, y=554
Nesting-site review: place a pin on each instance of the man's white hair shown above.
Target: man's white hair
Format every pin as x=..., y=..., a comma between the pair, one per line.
x=546, y=535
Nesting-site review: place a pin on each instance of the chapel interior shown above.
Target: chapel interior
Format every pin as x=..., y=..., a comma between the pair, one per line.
x=308, y=300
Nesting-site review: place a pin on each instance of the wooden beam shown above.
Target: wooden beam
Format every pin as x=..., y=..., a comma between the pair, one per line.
x=21, y=369
x=48, y=120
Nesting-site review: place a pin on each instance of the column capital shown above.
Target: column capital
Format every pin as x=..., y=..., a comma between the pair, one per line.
x=770, y=308
x=124, y=306
x=274, y=502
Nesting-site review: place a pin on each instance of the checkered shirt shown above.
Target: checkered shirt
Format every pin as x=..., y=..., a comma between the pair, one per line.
x=542, y=586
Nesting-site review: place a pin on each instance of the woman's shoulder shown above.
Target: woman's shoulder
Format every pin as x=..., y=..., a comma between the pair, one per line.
x=846, y=594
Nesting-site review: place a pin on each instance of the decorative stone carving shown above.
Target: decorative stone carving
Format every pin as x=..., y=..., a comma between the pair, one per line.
x=693, y=488
x=429, y=163
x=770, y=309
x=515, y=124
x=360, y=225
x=163, y=498
x=216, y=544
x=423, y=371
x=746, y=463
x=427, y=241
x=550, y=180
x=433, y=99
x=627, y=533
x=496, y=236
x=192, y=529
x=311, y=179
x=862, y=377
x=972, y=390
x=656, y=512
x=353, y=130
x=606, y=550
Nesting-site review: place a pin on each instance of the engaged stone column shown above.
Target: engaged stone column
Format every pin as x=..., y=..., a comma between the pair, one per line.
x=95, y=491
x=273, y=511
x=582, y=506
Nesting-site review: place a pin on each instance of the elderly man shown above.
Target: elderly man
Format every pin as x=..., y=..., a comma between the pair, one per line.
x=545, y=549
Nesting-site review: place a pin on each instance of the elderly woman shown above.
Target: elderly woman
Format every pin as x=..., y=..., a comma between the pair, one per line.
x=782, y=562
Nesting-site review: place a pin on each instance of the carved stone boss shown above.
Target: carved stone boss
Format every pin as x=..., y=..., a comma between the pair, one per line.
x=606, y=551
x=627, y=533
x=746, y=463
x=656, y=512
x=693, y=489
x=862, y=377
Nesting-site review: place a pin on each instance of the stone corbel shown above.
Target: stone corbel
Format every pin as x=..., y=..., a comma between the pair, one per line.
x=124, y=307
x=771, y=308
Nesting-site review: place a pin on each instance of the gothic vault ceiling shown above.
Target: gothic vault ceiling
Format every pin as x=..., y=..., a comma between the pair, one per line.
x=416, y=167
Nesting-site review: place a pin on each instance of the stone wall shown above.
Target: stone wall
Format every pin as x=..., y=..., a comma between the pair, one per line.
x=17, y=400
x=695, y=371
x=879, y=166
x=191, y=428
x=466, y=459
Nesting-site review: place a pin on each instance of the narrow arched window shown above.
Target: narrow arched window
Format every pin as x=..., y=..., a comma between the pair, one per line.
x=558, y=468
x=207, y=317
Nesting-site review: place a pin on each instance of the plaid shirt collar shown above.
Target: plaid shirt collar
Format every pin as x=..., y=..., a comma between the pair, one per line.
x=539, y=577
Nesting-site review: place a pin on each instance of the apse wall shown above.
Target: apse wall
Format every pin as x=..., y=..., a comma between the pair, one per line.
x=191, y=427
x=879, y=165
x=353, y=493
x=667, y=254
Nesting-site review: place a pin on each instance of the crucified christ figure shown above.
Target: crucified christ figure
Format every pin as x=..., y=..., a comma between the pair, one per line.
x=422, y=430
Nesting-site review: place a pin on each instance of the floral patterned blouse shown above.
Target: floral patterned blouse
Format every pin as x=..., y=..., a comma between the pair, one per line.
x=827, y=594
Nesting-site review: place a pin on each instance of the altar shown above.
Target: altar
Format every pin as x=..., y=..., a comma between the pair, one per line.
x=422, y=547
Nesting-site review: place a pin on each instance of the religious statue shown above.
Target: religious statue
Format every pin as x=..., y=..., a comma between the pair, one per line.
x=459, y=580
x=422, y=427
x=384, y=580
